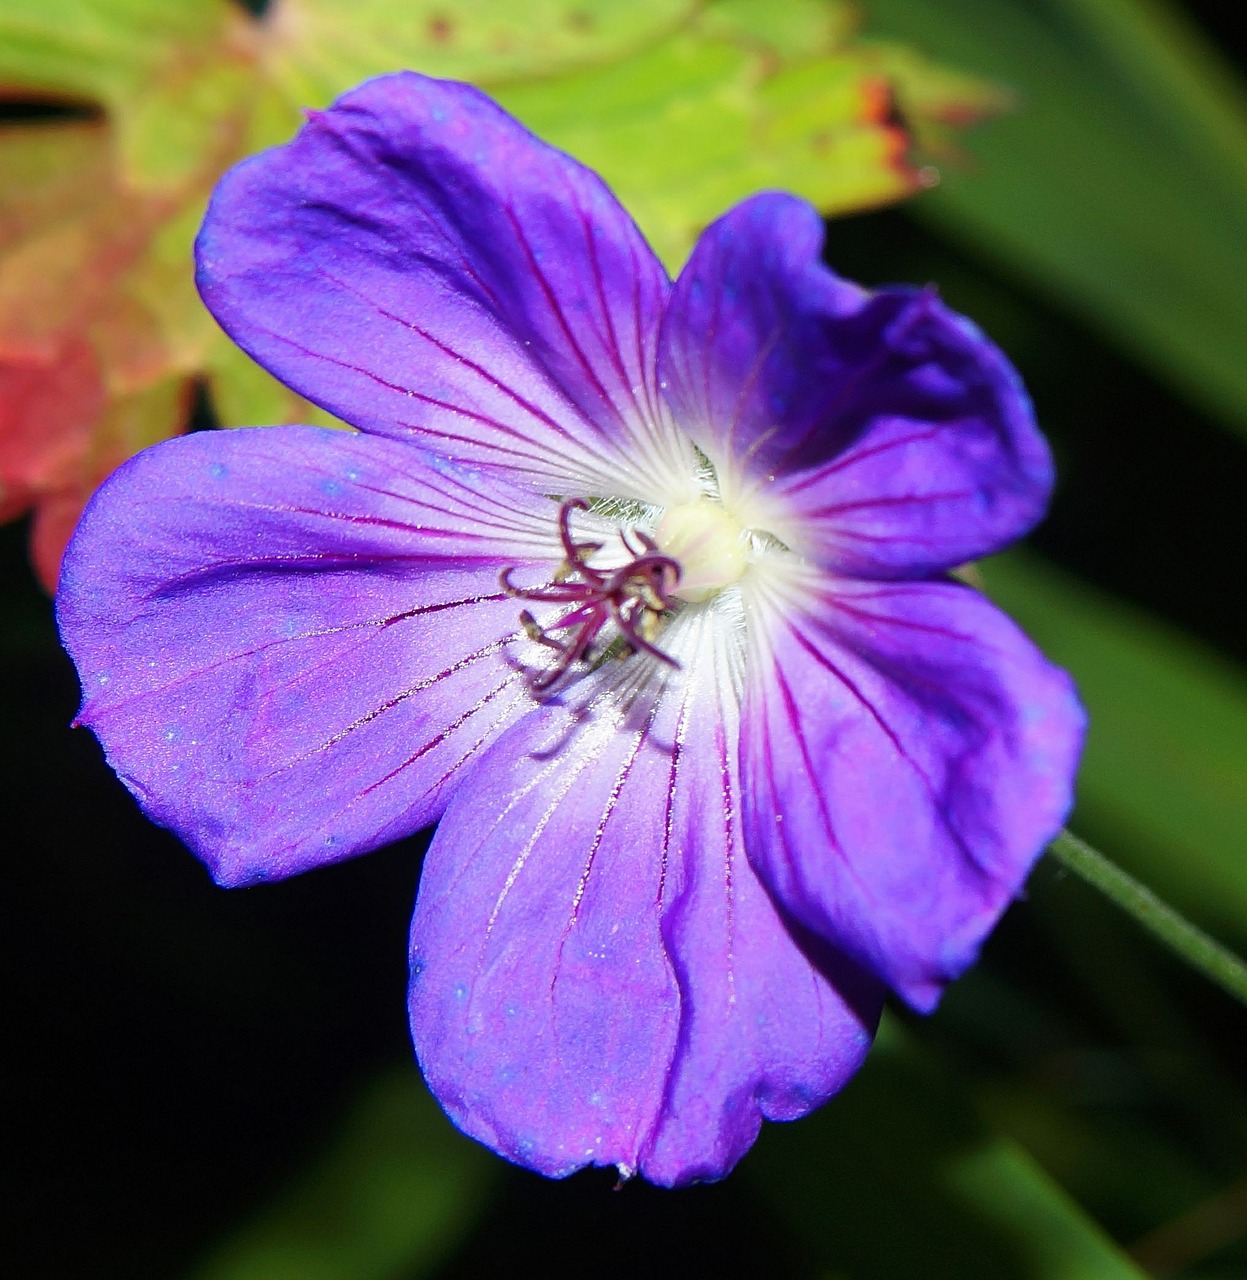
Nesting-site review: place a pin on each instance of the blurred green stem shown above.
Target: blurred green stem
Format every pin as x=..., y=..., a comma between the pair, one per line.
x=1176, y=932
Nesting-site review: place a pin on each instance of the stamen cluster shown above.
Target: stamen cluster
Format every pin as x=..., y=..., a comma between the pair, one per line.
x=633, y=596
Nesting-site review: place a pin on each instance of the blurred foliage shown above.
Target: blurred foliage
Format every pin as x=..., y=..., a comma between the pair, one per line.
x=904, y=1179
x=1164, y=775
x=391, y=1194
x=1120, y=186
x=685, y=107
x=1077, y=1089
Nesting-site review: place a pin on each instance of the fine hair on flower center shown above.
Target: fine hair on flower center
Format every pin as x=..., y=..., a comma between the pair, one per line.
x=696, y=550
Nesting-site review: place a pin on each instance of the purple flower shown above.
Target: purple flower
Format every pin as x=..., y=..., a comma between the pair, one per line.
x=640, y=589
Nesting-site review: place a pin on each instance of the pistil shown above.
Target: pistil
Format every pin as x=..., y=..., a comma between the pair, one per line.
x=709, y=543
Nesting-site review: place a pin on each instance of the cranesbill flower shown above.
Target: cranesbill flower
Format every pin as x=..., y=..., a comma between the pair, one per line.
x=642, y=590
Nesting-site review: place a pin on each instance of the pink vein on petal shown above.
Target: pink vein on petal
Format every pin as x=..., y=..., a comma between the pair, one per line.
x=819, y=474
x=406, y=695
x=895, y=500
x=459, y=358
x=729, y=831
x=621, y=779
x=277, y=641
x=443, y=735
x=900, y=748
x=538, y=780
x=557, y=311
x=833, y=841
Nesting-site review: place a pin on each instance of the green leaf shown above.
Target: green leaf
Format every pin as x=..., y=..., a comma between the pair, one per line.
x=937, y=102
x=391, y=1194
x=898, y=1176
x=192, y=115
x=1120, y=187
x=50, y=229
x=1163, y=785
x=105, y=51
x=154, y=323
x=687, y=128
x=320, y=48
x=794, y=29
x=1166, y=61
x=244, y=395
x=49, y=170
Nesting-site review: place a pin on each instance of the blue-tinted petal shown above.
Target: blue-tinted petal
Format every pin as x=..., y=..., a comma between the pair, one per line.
x=290, y=638
x=598, y=976
x=771, y=1025
x=877, y=433
x=420, y=264
x=906, y=753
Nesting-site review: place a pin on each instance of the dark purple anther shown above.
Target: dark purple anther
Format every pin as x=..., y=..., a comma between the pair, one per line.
x=633, y=596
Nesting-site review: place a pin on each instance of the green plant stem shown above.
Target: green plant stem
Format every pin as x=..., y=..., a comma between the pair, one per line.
x=1187, y=940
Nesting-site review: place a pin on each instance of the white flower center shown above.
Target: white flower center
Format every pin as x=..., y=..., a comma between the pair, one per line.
x=709, y=543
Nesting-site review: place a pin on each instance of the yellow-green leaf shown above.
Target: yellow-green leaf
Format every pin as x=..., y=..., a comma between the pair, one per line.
x=103, y=51
x=793, y=29
x=320, y=48
x=692, y=125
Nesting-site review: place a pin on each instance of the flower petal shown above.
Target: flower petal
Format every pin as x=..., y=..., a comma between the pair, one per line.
x=878, y=433
x=597, y=975
x=421, y=265
x=290, y=638
x=772, y=1022
x=906, y=755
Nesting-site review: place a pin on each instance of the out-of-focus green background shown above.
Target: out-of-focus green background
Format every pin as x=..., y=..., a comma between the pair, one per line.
x=219, y=1085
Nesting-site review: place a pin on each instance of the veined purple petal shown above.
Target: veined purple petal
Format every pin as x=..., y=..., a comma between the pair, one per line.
x=882, y=434
x=597, y=976
x=289, y=639
x=906, y=755
x=420, y=264
x=770, y=1026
